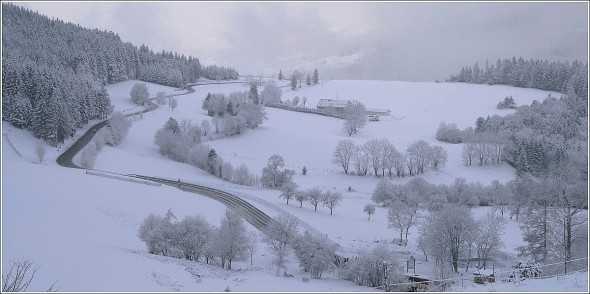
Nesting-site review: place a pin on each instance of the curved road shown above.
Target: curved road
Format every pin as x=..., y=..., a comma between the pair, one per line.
x=250, y=213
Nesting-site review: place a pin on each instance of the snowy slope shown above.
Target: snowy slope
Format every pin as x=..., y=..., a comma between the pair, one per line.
x=81, y=229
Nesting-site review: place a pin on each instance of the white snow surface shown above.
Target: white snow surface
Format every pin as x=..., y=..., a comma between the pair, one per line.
x=81, y=230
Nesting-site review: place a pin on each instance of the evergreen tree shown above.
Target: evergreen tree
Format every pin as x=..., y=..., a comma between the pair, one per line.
x=280, y=75
x=293, y=82
x=253, y=94
x=172, y=125
x=212, y=162
x=308, y=80
x=316, y=78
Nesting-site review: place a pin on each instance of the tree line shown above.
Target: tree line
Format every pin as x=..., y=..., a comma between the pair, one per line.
x=382, y=156
x=193, y=238
x=533, y=73
x=53, y=81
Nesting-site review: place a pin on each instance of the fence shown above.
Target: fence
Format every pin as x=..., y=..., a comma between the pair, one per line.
x=552, y=270
x=119, y=177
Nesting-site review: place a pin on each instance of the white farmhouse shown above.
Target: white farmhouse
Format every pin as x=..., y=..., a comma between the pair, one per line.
x=333, y=105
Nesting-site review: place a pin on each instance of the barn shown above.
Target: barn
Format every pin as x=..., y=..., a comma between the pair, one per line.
x=333, y=105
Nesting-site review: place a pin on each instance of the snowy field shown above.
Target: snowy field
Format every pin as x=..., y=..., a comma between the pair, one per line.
x=82, y=229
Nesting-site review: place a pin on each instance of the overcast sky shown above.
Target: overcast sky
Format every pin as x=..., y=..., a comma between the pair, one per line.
x=409, y=41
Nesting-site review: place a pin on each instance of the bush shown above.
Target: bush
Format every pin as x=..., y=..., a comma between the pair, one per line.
x=508, y=103
x=449, y=133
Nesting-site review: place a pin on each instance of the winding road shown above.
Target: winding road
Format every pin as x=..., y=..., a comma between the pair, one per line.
x=249, y=212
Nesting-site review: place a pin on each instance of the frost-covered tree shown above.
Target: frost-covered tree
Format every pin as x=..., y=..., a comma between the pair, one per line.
x=161, y=98
x=253, y=94
x=232, y=239
x=118, y=127
x=280, y=233
x=369, y=209
x=88, y=156
x=173, y=103
x=295, y=101
x=150, y=233
x=360, y=159
x=451, y=229
x=377, y=268
x=206, y=126
x=314, y=196
x=402, y=216
x=273, y=176
x=499, y=195
x=191, y=236
x=421, y=153
x=293, y=82
x=331, y=199
x=438, y=157
x=315, y=253
x=343, y=154
x=288, y=190
x=271, y=94
x=375, y=148
x=490, y=229
x=40, y=150
x=449, y=133
x=316, y=78
x=308, y=80
x=354, y=117
x=212, y=162
x=139, y=93
x=300, y=196
x=383, y=192
x=251, y=244
x=280, y=75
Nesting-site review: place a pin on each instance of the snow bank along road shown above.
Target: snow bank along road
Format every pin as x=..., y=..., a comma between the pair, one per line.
x=250, y=213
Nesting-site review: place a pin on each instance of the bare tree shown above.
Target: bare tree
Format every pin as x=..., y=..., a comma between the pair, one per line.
x=449, y=229
x=344, y=153
x=488, y=236
x=40, y=149
x=438, y=157
x=369, y=209
x=403, y=217
x=331, y=199
x=206, y=126
x=288, y=190
x=314, y=196
x=252, y=244
x=421, y=152
x=19, y=276
x=300, y=196
x=361, y=160
x=469, y=151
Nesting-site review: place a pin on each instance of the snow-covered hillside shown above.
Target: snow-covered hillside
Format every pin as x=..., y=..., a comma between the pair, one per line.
x=82, y=229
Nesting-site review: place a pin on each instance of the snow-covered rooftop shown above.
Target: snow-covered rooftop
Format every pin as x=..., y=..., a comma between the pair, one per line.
x=332, y=103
